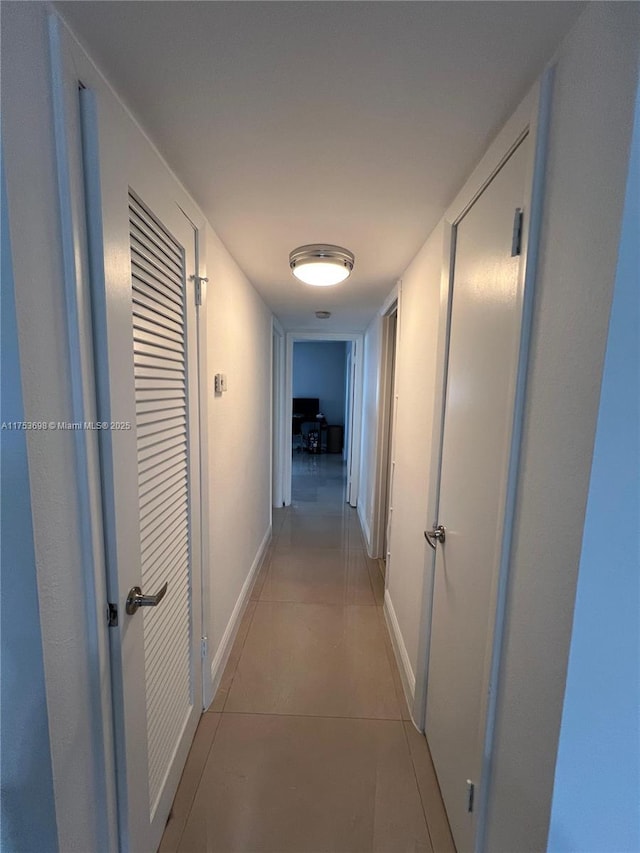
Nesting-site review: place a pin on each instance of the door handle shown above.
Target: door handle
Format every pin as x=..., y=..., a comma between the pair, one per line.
x=438, y=534
x=136, y=599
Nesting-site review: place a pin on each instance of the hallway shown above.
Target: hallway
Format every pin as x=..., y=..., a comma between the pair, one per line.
x=308, y=744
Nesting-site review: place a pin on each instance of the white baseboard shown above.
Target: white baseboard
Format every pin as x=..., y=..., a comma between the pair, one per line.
x=224, y=649
x=399, y=649
x=366, y=530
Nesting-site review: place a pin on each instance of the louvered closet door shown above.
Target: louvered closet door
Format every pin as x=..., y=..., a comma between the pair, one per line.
x=155, y=526
x=161, y=392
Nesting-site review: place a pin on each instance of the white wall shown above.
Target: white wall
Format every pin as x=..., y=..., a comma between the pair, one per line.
x=596, y=806
x=416, y=380
x=319, y=371
x=239, y=344
x=591, y=121
x=348, y=382
x=25, y=759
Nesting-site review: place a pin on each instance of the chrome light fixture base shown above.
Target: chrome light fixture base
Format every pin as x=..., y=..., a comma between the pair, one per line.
x=321, y=264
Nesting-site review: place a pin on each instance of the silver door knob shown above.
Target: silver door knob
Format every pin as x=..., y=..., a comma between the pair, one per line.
x=438, y=534
x=136, y=599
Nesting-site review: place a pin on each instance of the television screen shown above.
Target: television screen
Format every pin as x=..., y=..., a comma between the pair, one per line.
x=307, y=407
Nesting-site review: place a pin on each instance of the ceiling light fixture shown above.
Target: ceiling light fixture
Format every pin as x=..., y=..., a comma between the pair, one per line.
x=323, y=315
x=321, y=264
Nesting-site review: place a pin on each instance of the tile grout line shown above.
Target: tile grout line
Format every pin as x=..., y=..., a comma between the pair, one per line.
x=197, y=788
x=315, y=716
x=415, y=776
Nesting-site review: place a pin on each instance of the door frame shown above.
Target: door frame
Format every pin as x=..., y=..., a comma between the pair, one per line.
x=278, y=416
x=202, y=369
x=76, y=237
x=531, y=118
x=353, y=462
x=346, y=437
x=386, y=412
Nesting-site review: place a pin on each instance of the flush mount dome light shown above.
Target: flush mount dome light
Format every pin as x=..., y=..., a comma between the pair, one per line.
x=320, y=264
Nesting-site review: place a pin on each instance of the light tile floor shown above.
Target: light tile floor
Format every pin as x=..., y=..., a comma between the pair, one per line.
x=308, y=746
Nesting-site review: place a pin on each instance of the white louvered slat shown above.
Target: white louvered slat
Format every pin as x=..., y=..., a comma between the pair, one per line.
x=151, y=501
x=144, y=394
x=151, y=442
x=150, y=278
x=161, y=249
x=149, y=327
x=148, y=309
x=170, y=618
x=168, y=558
x=156, y=388
x=149, y=425
x=160, y=484
x=160, y=314
x=151, y=258
x=165, y=348
x=159, y=375
x=168, y=544
x=146, y=270
x=161, y=522
x=167, y=551
x=150, y=407
x=158, y=311
x=164, y=544
x=145, y=462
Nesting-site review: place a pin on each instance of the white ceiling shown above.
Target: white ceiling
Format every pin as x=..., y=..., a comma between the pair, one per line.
x=309, y=122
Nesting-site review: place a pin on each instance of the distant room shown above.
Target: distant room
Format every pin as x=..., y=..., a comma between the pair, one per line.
x=319, y=396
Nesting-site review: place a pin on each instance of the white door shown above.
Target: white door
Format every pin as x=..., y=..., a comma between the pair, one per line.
x=146, y=351
x=484, y=341
x=391, y=406
x=348, y=408
x=350, y=419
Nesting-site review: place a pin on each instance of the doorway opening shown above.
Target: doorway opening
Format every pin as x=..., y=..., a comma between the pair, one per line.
x=277, y=413
x=319, y=404
x=323, y=404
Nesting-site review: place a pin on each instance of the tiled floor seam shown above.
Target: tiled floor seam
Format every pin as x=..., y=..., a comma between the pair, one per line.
x=372, y=588
x=339, y=604
x=197, y=786
x=314, y=716
x=415, y=776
